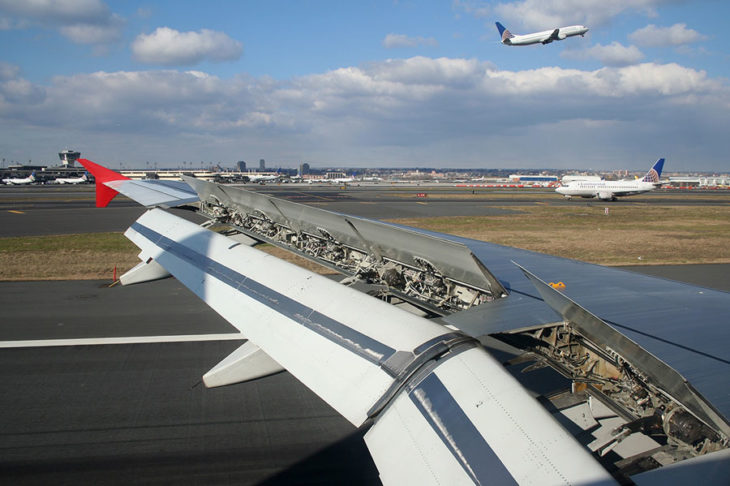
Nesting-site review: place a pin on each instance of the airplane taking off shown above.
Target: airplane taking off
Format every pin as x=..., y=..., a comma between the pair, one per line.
x=72, y=180
x=544, y=37
x=17, y=181
x=610, y=190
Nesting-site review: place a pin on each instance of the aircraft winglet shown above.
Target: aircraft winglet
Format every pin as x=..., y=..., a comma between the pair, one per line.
x=104, y=193
x=148, y=193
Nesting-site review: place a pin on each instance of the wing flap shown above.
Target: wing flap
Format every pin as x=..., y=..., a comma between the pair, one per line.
x=470, y=422
x=344, y=345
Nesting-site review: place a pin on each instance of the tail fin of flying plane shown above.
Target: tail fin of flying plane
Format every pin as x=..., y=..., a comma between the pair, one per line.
x=655, y=172
x=104, y=194
x=503, y=32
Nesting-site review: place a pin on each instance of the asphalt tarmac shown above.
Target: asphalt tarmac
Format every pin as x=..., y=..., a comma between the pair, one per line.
x=48, y=210
x=134, y=412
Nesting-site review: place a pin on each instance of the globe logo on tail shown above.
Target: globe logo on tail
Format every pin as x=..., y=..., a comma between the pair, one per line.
x=651, y=176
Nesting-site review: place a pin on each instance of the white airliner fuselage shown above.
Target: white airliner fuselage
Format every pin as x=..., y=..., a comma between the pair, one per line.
x=610, y=190
x=71, y=180
x=20, y=181
x=544, y=37
x=606, y=190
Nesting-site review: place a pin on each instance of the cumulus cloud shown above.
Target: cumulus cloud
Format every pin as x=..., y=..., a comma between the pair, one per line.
x=8, y=71
x=614, y=54
x=676, y=35
x=544, y=14
x=81, y=21
x=393, y=41
x=16, y=90
x=416, y=111
x=169, y=47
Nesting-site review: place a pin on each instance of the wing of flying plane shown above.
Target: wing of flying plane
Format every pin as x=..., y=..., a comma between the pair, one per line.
x=464, y=364
x=553, y=36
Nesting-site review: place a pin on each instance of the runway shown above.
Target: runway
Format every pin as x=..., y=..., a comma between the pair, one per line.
x=48, y=210
x=136, y=412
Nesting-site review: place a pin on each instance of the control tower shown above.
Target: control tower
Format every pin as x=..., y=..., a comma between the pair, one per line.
x=68, y=157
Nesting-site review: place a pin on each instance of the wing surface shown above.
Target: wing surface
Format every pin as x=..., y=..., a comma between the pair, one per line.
x=683, y=325
x=419, y=382
x=148, y=193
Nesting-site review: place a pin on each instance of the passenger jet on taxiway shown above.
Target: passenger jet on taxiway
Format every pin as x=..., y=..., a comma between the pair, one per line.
x=610, y=190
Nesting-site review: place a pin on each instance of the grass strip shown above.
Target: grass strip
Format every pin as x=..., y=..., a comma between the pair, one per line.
x=628, y=235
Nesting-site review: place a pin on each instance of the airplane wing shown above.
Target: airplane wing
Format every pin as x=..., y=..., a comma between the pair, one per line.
x=553, y=36
x=149, y=193
x=432, y=341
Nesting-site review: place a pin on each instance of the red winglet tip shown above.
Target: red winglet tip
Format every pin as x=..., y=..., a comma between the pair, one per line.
x=101, y=174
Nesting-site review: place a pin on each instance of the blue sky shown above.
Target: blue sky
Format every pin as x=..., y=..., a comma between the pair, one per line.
x=366, y=83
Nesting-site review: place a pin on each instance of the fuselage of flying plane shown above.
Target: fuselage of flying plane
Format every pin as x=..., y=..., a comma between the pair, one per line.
x=544, y=37
x=610, y=190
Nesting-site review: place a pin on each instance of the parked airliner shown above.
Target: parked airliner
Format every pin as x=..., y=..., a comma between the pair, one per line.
x=72, y=180
x=17, y=181
x=610, y=190
x=544, y=37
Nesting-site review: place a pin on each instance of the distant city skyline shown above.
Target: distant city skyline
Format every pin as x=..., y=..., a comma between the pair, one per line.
x=345, y=84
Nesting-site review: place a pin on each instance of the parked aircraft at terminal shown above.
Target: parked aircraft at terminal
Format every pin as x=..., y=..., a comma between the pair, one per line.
x=263, y=177
x=72, y=180
x=544, y=37
x=610, y=190
x=641, y=391
x=19, y=181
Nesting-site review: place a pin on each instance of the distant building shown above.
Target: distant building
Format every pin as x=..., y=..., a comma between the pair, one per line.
x=241, y=166
x=303, y=169
x=69, y=157
x=532, y=178
x=262, y=164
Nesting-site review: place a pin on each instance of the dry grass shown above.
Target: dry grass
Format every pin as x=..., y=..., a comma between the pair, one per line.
x=629, y=235
x=296, y=259
x=89, y=256
x=66, y=257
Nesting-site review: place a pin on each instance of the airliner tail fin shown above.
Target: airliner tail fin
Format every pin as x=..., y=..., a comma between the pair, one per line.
x=655, y=172
x=503, y=32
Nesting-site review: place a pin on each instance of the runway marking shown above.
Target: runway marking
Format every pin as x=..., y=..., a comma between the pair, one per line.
x=15, y=211
x=42, y=343
x=423, y=203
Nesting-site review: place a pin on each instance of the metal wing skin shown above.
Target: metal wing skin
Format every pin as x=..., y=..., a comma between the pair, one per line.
x=426, y=341
x=554, y=35
x=444, y=410
x=149, y=193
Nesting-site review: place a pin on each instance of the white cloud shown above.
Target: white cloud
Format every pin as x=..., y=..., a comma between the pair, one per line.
x=417, y=111
x=109, y=31
x=676, y=35
x=614, y=54
x=81, y=21
x=8, y=71
x=169, y=47
x=544, y=14
x=393, y=41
